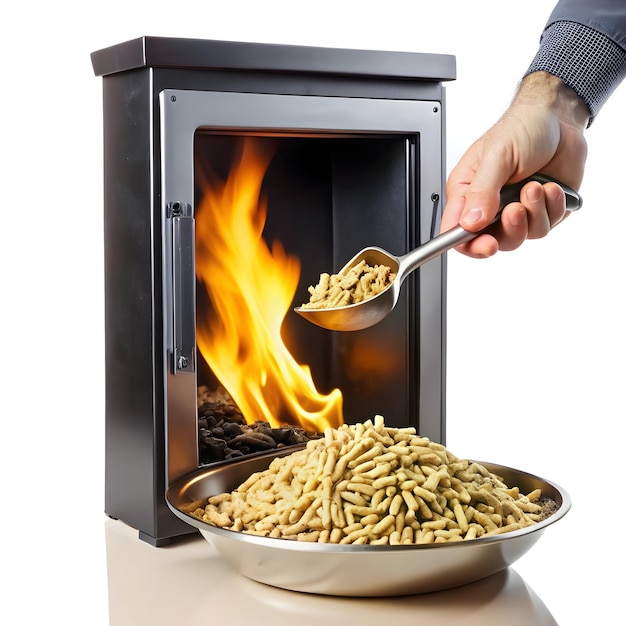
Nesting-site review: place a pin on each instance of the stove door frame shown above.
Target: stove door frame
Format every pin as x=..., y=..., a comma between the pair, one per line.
x=182, y=113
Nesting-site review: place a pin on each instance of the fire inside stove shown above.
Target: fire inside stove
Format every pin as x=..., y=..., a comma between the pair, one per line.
x=245, y=289
x=271, y=212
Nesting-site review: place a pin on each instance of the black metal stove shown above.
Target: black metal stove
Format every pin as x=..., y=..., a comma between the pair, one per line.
x=358, y=139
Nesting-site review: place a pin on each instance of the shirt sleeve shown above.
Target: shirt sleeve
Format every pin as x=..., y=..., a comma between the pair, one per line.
x=584, y=44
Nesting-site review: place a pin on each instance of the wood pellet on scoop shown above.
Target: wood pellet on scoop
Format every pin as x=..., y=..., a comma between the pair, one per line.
x=356, y=284
x=371, y=484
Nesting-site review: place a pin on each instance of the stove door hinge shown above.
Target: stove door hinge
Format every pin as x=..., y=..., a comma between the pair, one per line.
x=183, y=286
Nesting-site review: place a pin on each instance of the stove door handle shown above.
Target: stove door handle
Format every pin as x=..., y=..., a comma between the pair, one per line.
x=183, y=288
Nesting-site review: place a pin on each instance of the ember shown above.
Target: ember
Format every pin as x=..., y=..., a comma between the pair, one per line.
x=223, y=433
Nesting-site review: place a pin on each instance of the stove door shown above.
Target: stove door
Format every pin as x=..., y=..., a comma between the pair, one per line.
x=373, y=174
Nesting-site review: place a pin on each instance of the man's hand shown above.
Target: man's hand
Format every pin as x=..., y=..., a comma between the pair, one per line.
x=541, y=131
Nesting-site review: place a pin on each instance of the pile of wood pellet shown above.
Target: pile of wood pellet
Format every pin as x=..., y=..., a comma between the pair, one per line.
x=367, y=483
x=349, y=286
x=223, y=433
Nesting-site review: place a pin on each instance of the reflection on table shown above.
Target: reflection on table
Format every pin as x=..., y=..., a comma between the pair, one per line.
x=187, y=582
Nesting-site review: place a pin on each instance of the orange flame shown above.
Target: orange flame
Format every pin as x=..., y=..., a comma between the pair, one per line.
x=251, y=288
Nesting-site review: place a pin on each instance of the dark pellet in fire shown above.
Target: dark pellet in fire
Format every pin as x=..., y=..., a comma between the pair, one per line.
x=223, y=433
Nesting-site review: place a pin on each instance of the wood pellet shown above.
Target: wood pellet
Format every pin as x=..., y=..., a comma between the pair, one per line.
x=371, y=484
x=355, y=284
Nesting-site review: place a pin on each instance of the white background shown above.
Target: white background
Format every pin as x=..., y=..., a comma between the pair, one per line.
x=535, y=337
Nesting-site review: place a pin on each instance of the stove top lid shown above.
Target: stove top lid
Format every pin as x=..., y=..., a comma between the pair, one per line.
x=167, y=52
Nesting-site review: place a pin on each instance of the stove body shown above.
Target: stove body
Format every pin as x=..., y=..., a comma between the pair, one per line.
x=359, y=160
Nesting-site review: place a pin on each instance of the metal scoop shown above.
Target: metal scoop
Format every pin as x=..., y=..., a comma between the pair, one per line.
x=371, y=311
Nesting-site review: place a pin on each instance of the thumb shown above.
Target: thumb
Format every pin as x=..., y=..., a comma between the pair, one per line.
x=482, y=199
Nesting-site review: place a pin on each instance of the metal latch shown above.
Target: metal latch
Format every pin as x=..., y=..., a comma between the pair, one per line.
x=183, y=286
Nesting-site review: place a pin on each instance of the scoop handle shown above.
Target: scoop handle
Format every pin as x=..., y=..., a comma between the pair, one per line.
x=458, y=235
x=511, y=193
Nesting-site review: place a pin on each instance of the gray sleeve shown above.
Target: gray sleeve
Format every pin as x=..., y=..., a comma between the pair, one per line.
x=584, y=44
x=605, y=16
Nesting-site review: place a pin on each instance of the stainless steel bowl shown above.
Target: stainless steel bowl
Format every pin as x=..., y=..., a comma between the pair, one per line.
x=356, y=570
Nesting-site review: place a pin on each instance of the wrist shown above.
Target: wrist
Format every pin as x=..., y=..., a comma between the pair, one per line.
x=544, y=89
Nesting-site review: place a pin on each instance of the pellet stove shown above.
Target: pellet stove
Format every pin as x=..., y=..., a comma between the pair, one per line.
x=343, y=149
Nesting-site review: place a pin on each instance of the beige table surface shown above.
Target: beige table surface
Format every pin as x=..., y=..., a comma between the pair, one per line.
x=187, y=583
